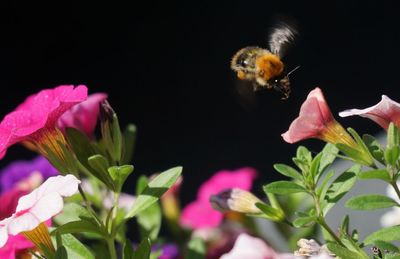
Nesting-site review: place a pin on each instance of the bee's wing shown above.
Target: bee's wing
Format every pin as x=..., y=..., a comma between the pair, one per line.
x=280, y=37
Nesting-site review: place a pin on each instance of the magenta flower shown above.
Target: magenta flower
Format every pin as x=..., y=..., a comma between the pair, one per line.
x=34, y=121
x=316, y=121
x=84, y=115
x=383, y=113
x=200, y=214
x=35, y=208
x=22, y=169
x=16, y=247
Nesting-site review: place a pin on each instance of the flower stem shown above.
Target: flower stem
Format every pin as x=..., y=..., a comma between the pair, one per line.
x=321, y=220
x=88, y=206
x=396, y=188
x=111, y=248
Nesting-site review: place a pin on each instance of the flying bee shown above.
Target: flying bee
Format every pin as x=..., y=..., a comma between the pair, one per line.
x=263, y=67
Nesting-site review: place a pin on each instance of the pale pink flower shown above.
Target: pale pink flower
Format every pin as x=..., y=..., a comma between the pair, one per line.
x=316, y=121
x=200, y=214
x=247, y=246
x=33, y=122
x=37, y=207
x=84, y=115
x=383, y=113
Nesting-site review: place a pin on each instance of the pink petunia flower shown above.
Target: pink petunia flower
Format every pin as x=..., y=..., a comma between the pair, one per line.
x=84, y=115
x=316, y=121
x=383, y=113
x=247, y=246
x=35, y=208
x=200, y=214
x=34, y=121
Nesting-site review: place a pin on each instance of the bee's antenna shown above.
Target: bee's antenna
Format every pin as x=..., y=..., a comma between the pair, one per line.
x=294, y=69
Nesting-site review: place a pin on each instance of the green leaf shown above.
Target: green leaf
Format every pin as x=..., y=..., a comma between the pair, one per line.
x=75, y=249
x=314, y=169
x=370, y=202
x=154, y=190
x=380, y=174
x=374, y=147
x=323, y=188
x=149, y=221
x=270, y=212
x=129, y=141
x=393, y=136
x=303, y=154
x=283, y=187
x=288, y=171
x=128, y=252
x=329, y=154
x=79, y=226
x=141, y=184
x=386, y=246
x=119, y=174
x=340, y=186
x=303, y=221
x=196, y=249
x=392, y=155
x=81, y=145
x=386, y=234
x=343, y=252
x=143, y=250
x=344, y=227
x=61, y=253
x=100, y=165
x=71, y=212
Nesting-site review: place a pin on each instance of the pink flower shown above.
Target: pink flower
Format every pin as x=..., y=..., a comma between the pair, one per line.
x=37, y=207
x=316, y=121
x=15, y=246
x=383, y=113
x=247, y=246
x=33, y=122
x=200, y=214
x=84, y=115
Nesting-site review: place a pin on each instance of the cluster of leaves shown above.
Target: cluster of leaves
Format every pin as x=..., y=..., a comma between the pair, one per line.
x=105, y=166
x=324, y=187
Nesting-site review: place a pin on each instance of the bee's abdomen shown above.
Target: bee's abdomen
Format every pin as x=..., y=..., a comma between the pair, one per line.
x=269, y=66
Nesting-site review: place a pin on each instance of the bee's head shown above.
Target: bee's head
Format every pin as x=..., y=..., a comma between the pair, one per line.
x=244, y=62
x=281, y=84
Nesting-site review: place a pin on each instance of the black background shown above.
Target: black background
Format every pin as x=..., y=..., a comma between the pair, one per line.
x=165, y=66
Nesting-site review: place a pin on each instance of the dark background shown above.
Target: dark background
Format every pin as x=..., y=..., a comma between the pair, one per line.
x=165, y=66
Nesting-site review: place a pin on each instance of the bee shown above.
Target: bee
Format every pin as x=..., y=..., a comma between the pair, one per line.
x=264, y=67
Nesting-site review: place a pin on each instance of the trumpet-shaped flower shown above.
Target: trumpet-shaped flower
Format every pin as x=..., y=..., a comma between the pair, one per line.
x=316, y=121
x=37, y=207
x=383, y=113
x=34, y=121
x=84, y=115
x=200, y=214
x=20, y=170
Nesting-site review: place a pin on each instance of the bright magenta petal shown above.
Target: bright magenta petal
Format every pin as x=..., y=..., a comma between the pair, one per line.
x=84, y=115
x=382, y=113
x=39, y=111
x=242, y=178
x=199, y=214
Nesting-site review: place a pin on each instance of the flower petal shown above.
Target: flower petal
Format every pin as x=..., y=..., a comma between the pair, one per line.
x=199, y=214
x=382, y=113
x=24, y=222
x=47, y=207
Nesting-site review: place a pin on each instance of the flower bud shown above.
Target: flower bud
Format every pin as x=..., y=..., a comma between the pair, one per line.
x=237, y=200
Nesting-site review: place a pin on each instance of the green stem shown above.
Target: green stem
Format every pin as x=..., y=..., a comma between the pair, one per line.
x=111, y=248
x=396, y=188
x=321, y=220
x=323, y=224
x=88, y=206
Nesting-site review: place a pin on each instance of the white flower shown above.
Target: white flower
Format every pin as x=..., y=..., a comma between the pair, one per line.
x=38, y=206
x=251, y=247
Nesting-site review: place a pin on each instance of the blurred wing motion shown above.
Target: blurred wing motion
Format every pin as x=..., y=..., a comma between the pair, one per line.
x=281, y=36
